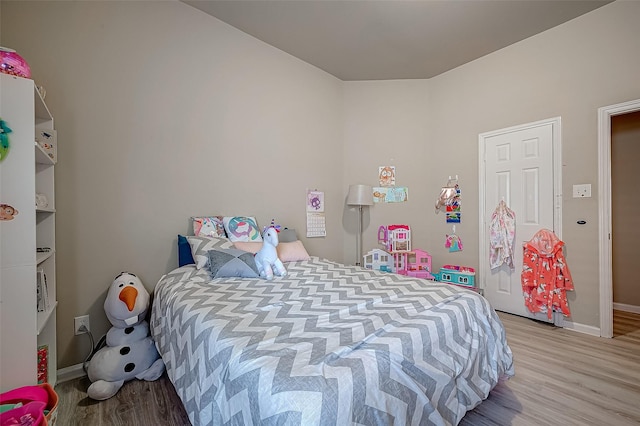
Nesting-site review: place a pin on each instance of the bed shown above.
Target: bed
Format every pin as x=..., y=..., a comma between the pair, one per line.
x=327, y=344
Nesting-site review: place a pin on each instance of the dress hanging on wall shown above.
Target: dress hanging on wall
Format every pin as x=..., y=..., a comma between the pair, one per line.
x=502, y=232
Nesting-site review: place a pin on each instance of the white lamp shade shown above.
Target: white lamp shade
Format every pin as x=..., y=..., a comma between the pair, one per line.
x=360, y=195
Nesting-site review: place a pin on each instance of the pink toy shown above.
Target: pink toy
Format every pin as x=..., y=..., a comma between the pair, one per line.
x=12, y=63
x=415, y=263
x=400, y=260
x=421, y=265
x=395, y=237
x=461, y=269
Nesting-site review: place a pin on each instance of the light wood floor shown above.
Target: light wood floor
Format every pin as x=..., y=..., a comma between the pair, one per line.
x=562, y=378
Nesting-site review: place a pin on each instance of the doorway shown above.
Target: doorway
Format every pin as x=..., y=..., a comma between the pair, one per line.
x=605, y=115
x=521, y=166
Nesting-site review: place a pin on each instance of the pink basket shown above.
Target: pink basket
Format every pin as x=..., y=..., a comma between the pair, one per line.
x=12, y=63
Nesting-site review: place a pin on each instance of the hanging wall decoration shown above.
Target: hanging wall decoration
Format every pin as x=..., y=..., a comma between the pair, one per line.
x=316, y=222
x=447, y=194
x=453, y=204
x=453, y=210
x=388, y=192
x=395, y=194
x=387, y=175
x=453, y=242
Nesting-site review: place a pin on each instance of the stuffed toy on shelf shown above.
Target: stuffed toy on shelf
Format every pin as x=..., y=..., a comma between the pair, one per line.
x=130, y=352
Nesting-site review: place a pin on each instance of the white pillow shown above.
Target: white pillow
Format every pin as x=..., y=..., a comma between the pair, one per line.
x=208, y=226
x=201, y=245
x=242, y=228
x=287, y=252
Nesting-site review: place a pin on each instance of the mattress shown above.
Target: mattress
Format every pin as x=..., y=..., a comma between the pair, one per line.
x=327, y=344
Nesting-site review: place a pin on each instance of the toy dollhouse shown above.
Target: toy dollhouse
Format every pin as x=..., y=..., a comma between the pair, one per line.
x=378, y=260
x=395, y=237
x=398, y=256
x=419, y=264
x=463, y=276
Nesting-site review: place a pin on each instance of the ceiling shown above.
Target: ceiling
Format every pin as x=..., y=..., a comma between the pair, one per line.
x=392, y=39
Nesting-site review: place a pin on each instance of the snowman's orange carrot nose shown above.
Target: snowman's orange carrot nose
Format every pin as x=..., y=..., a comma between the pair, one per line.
x=128, y=295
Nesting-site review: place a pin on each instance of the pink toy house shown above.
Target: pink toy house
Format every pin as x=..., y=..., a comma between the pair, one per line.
x=395, y=237
x=400, y=262
x=416, y=263
x=419, y=264
x=396, y=240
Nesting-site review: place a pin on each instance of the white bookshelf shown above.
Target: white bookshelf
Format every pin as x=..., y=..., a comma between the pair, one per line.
x=26, y=171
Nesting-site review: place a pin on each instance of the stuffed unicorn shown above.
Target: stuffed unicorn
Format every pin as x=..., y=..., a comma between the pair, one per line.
x=267, y=259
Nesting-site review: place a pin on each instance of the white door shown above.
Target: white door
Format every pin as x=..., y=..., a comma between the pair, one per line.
x=519, y=165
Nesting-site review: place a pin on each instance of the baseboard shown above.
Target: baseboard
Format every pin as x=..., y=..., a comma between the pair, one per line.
x=581, y=328
x=626, y=308
x=70, y=373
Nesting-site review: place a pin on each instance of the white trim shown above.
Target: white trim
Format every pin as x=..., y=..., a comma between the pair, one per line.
x=71, y=373
x=581, y=328
x=626, y=308
x=556, y=123
x=604, y=204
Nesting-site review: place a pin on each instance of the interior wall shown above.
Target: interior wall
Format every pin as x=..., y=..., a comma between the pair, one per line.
x=386, y=124
x=163, y=113
x=569, y=72
x=625, y=181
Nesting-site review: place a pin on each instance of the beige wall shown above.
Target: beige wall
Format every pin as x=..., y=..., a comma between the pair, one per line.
x=625, y=203
x=569, y=72
x=164, y=112
x=387, y=123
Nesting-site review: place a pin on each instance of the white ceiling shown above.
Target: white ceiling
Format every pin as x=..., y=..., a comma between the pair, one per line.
x=392, y=39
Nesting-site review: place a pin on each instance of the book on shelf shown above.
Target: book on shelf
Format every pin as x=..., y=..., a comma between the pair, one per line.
x=42, y=291
x=43, y=364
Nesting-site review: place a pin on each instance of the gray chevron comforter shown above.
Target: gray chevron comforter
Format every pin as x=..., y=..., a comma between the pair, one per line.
x=327, y=345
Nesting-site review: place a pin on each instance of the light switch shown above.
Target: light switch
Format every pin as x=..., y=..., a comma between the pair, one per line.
x=582, y=191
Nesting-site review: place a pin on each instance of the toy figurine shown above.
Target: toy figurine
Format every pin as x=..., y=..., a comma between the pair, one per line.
x=130, y=352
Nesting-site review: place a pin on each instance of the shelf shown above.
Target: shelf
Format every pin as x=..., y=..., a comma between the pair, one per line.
x=41, y=257
x=43, y=317
x=42, y=113
x=42, y=157
x=28, y=171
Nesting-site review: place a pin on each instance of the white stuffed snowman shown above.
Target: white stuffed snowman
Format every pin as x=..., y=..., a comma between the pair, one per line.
x=130, y=352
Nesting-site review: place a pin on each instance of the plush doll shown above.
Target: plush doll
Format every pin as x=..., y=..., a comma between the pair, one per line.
x=130, y=352
x=267, y=259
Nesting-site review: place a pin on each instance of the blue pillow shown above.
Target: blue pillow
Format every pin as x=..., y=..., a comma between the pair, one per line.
x=184, y=252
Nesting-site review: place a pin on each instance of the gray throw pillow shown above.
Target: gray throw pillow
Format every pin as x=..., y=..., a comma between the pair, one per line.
x=232, y=263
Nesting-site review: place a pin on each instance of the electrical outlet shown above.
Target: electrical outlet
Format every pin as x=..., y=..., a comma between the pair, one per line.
x=78, y=322
x=582, y=191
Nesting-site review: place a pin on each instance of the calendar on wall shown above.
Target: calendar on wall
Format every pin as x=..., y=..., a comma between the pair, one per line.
x=316, y=225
